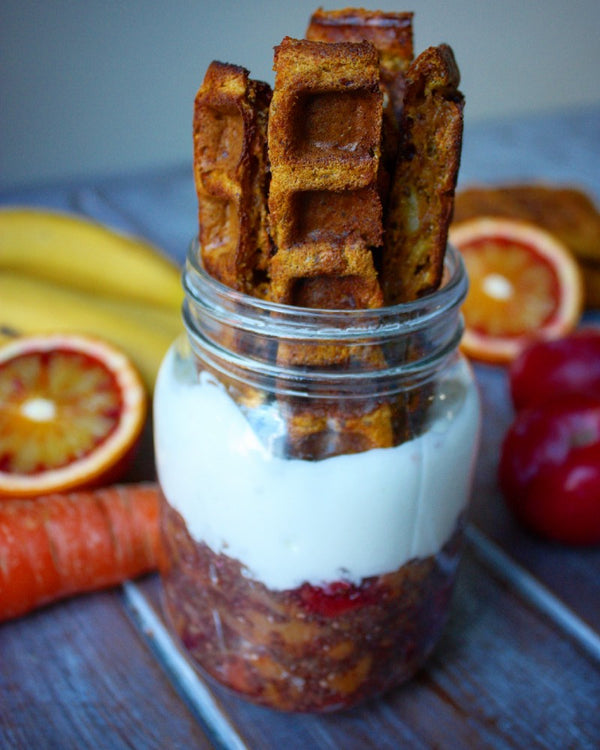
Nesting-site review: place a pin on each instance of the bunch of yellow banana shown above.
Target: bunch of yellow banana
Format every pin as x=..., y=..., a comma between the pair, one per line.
x=60, y=272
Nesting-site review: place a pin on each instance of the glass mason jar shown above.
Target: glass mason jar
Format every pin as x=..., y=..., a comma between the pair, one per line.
x=316, y=467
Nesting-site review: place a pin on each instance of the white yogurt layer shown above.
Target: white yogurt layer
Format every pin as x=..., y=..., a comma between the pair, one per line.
x=290, y=521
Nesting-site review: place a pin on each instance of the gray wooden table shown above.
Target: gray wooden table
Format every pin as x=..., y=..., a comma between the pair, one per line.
x=519, y=664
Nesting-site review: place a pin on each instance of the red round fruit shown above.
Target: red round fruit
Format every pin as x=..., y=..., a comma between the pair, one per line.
x=563, y=502
x=548, y=369
x=546, y=468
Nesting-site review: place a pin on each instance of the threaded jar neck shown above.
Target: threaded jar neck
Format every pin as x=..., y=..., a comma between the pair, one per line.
x=300, y=350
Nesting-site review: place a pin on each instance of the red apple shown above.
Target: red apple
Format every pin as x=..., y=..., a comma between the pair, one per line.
x=549, y=468
x=551, y=368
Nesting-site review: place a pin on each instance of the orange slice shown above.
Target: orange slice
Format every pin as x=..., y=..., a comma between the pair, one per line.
x=524, y=285
x=71, y=411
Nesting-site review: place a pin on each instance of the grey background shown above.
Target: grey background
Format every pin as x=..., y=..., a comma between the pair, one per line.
x=105, y=87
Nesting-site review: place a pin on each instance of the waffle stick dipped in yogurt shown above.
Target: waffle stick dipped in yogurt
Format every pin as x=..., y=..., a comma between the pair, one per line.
x=325, y=210
x=326, y=219
x=231, y=178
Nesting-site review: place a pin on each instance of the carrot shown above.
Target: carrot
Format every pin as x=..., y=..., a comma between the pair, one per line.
x=58, y=545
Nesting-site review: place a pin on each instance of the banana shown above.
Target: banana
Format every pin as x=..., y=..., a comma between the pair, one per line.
x=32, y=305
x=71, y=250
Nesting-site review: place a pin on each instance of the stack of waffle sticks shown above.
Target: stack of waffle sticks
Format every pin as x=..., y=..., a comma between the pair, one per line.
x=332, y=191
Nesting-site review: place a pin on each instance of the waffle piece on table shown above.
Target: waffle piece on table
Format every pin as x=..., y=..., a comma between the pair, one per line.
x=566, y=211
x=325, y=220
x=422, y=195
x=230, y=172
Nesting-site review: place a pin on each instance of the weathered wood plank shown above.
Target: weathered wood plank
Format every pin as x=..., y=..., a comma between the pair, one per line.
x=77, y=675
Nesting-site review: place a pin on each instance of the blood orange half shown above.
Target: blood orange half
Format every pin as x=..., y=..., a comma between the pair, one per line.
x=71, y=411
x=524, y=286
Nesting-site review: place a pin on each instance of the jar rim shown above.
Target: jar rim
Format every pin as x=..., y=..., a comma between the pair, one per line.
x=233, y=333
x=253, y=314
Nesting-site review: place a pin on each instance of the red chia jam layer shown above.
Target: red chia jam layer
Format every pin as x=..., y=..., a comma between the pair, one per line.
x=308, y=649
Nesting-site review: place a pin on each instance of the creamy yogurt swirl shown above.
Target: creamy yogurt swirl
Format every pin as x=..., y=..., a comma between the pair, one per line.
x=288, y=520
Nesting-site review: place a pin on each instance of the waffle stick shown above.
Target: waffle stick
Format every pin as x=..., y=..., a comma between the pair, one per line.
x=392, y=35
x=324, y=142
x=230, y=173
x=325, y=219
x=422, y=195
x=420, y=207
